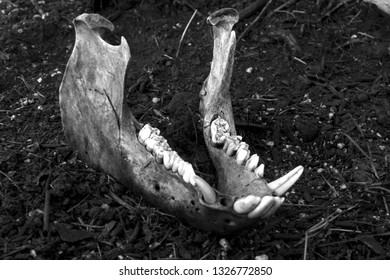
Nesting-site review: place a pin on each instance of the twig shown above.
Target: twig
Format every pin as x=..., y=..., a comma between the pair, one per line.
x=255, y=20
x=251, y=9
x=184, y=32
x=121, y=202
x=46, y=211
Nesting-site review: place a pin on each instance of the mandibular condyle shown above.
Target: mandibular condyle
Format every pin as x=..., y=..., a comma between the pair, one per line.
x=103, y=130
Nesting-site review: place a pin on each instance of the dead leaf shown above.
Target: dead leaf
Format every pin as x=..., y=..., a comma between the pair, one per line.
x=71, y=235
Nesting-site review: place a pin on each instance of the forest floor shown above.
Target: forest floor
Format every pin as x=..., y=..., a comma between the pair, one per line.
x=310, y=87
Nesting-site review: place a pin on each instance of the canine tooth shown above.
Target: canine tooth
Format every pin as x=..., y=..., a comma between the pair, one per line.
x=149, y=144
x=281, y=185
x=278, y=202
x=246, y=204
x=259, y=171
x=209, y=195
x=264, y=206
x=145, y=133
x=176, y=163
x=252, y=162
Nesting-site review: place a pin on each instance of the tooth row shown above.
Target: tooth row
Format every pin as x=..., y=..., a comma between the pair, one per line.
x=220, y=129
x=159, y=147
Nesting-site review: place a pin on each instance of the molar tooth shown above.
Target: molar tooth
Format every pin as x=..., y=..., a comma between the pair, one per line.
x=252, y=162
x=219, y=130
x=209, y=195
x=144, y=133
x=228, y=141
x=259, y=171
x=246, y=204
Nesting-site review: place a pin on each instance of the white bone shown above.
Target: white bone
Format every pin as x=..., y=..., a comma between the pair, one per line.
x=252, y=162
x=259, y=171
x=266, y=203
x=209, y=195
x=246, y=204
x=281, y=185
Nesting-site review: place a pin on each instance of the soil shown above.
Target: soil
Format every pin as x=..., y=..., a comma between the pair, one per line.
x=310, y=87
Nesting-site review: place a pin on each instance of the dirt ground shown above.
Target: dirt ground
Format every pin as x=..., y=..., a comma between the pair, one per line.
x=310, y=87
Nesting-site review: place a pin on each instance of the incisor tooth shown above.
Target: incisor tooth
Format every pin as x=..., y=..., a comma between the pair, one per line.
x=209, y=195
x=259, y=171
x=252, y=162
x=246, y=204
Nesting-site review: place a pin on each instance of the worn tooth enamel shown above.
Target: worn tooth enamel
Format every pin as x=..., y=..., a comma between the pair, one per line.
x=172, y=159
x=177, y=163
x=219, y=129
x=259, y=171
x=209, y=195
x=144, y=133
x=281, y=185
x=246, y=204
x=278, y=202
x=149, y=144
x=265, y=204
x=188, y=173
x=228, y=140
x=252, y=162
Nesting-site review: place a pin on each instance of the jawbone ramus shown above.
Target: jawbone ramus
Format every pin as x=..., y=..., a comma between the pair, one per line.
x=100, y=126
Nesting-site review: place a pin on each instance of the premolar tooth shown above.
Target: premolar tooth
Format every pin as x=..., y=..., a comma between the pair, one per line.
x=259, y=171
x=242, y=153
x=246, y=204
x=189, y=174
x=182, y=167
x=144, y=133
x=158, y=152
x=209, y=195
x=252, y=162
x=176, y=163
x=149, y=144
x=167, y=155
x=230, y=149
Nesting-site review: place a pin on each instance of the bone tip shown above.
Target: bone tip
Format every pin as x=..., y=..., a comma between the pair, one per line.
x=226, y=14
x=94, y=21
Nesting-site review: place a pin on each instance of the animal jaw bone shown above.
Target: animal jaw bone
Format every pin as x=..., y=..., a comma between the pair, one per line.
x=99, y=125
x=238, y=173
